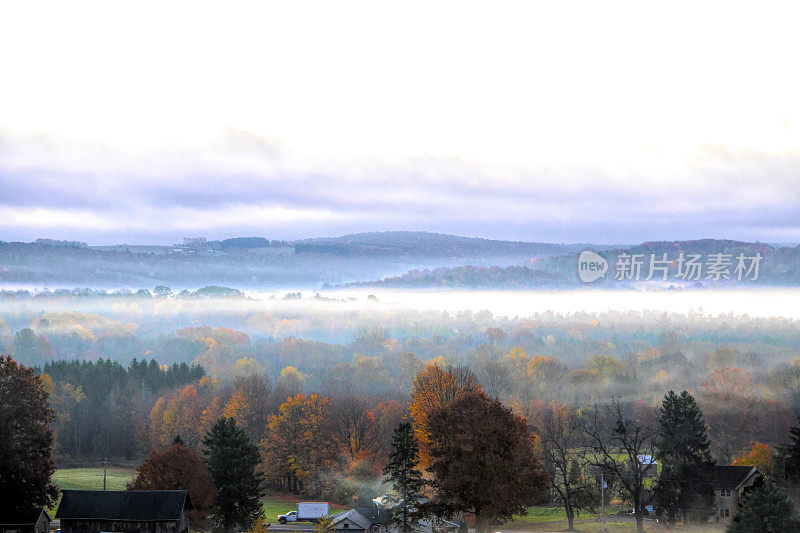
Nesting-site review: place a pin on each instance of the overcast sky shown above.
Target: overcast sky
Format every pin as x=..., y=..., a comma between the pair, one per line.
x=543, y=121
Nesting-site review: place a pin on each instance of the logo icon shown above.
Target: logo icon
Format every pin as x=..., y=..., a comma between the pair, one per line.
x=591, y=266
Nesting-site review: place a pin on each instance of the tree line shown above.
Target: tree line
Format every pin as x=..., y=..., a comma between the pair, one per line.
x=457, y=452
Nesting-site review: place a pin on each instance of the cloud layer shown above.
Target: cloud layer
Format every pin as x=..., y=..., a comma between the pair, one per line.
x=247, y=185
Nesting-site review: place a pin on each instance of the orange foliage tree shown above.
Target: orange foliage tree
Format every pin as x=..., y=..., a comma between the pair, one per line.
x=432, y=389
x=299, y=446
x=250, y=404
x=760, y=455
x=178, y=416
x=355, y=428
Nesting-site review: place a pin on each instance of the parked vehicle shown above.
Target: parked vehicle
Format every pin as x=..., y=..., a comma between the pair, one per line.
x=306, y=512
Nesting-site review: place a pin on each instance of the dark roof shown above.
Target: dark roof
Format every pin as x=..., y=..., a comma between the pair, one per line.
x=375, y=515
x=124, y=505
x=732, y=476
x=22, y=518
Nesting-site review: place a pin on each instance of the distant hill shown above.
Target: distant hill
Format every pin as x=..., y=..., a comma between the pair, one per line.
x=394, y=258
x=473, y=277
x=778, y=266
x=255, y=262
x=421, y=243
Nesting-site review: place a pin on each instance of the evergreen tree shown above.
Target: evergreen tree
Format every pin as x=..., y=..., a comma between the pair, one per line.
x=402, y=471
x=765, y=509
x=686, y=464
x=793, y=452
x=232, y=461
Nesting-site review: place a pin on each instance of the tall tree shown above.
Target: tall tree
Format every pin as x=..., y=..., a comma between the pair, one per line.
x=232, y=460
x=177, y=468
x=299, y=446
x=620, y=443
x=560, y=439
x=433, y=388
x=483, y=461
x=683, y=448
x=765, y=509
x=403, y=473
x=793, y=451
x=26, y=439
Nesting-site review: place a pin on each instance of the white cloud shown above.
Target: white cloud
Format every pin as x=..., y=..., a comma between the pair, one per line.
x=621, y=121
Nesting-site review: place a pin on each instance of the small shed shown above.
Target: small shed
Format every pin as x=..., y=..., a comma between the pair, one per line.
x=35, y=520
x=124, y=511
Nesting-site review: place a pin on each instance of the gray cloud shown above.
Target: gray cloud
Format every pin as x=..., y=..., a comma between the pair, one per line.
x=247, y=185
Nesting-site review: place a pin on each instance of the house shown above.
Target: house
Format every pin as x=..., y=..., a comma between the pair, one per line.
x=363, y=520
x=730, y=483
x=124, y=511
x=650, y=465
x=34, y=521
x=379, y=520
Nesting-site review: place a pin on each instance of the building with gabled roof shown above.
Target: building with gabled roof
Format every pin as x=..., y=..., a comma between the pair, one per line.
x=730, y=482
x=124, y=511
x=36, y=520
x=379, y=520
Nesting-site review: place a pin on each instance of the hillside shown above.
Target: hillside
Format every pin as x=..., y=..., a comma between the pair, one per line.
x=255, y=262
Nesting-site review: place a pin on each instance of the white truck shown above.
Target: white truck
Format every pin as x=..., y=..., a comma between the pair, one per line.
x=306, y=512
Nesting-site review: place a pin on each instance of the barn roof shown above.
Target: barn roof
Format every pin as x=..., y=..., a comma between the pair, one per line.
x=22, y=518
x=123, y=505
x=353, y=516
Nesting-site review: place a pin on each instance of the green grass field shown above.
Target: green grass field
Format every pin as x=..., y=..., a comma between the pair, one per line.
x=550, y=514
x=91, y=479
x=594, y=527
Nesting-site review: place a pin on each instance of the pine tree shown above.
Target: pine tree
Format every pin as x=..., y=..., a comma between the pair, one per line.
x=232, y=461
x=686, y=463
x=793, y=460
x=765, y=509
x=402, y=471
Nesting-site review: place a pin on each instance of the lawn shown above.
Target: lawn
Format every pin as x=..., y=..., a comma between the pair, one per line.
x=91, y=479
x=551, y=514
x=593, y=527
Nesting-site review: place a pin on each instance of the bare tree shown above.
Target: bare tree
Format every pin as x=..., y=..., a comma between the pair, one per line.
x=624, y=446
x=561, y=436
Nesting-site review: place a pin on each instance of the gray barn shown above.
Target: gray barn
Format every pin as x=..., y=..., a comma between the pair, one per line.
x=124, y=511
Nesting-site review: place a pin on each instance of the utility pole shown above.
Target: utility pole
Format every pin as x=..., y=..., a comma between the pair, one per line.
x=105, y=464
x=602, y=502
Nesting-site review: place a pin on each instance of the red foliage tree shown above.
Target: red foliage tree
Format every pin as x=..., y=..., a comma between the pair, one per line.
x=177, y=468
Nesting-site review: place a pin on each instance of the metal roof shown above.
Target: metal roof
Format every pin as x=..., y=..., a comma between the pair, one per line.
x=123, y=505
x=22, y=518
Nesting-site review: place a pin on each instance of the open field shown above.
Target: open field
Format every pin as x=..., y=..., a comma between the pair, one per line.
x=593, y=527
x=553, y=513
x=91, y=479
